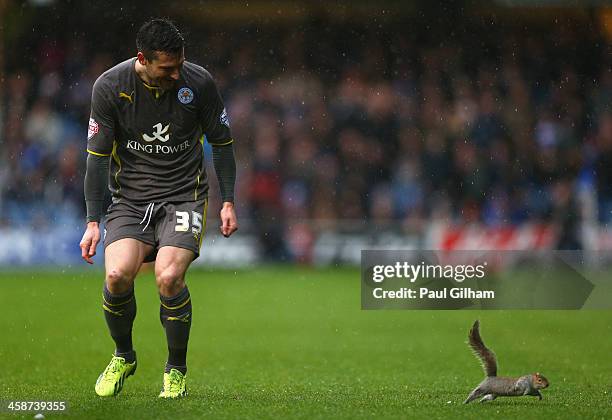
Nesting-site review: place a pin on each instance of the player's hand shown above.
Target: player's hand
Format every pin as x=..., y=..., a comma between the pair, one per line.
x=90, y=240
x=229, y=224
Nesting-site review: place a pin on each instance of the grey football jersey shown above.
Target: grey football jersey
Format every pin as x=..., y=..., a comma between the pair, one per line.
x=155, y=139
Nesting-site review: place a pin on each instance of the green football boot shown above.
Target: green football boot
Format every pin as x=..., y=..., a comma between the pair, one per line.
x=110, y=382
x=174, y=385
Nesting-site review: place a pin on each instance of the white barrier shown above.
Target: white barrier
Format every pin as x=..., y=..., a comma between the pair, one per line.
x=22, y=247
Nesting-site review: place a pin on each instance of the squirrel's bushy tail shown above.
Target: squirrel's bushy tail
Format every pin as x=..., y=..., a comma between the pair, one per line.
x=486, y=356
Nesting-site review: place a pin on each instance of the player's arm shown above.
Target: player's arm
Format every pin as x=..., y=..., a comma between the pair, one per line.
x=100, y=138
x=217, y=130
x=225, y=168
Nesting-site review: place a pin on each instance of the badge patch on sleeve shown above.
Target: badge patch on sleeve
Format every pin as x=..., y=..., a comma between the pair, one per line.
x=224, y=118
x=92, y=129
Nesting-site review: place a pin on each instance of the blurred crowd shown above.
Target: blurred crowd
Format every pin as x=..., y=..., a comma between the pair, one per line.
x=344, y=124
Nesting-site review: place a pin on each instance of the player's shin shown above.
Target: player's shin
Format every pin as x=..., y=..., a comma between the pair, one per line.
x=119, y=312
x=175, y=316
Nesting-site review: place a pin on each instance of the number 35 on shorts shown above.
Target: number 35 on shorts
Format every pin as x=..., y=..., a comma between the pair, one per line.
x=183, y=222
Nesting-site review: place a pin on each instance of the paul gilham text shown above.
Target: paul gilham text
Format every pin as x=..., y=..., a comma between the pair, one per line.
x=425, y=293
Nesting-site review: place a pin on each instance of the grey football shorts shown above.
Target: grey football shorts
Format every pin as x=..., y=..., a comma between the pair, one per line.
x=158, y=224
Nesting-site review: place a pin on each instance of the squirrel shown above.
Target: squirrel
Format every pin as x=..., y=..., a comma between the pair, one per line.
x=494, y=386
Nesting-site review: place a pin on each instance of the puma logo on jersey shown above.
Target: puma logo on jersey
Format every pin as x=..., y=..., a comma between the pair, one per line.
x=160, y=134
x=129, y=97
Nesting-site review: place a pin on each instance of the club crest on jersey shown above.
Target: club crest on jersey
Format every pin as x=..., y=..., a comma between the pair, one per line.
x=224, y=118
x=92, y=129
x=185, y=95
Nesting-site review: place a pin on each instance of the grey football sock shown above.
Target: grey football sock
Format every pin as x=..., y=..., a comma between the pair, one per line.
x=120, y=312
x=175, y=316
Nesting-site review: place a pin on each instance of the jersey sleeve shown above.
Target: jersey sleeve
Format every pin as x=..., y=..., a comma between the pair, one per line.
x=215, y=119
x=101, y=129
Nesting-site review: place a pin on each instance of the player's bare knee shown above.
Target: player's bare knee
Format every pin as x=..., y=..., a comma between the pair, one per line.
x=118, y=280
x=169, y=280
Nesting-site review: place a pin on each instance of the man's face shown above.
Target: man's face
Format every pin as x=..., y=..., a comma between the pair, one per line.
x=164, y=69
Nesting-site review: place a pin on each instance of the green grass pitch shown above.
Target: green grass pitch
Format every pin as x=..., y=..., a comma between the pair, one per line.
x=284, y=342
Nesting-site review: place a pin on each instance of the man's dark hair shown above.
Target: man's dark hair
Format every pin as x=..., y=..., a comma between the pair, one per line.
x=159, y=35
